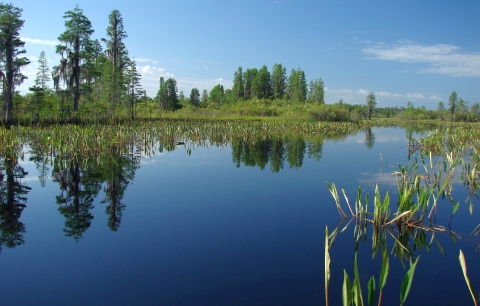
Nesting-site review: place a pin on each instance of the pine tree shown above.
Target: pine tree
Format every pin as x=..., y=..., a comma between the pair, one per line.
x=237, y=87
x=194, y=97
x=162, y=94
x=278, y=81
x=316, y=91
x=43, y=74
x=74, y=40
x=117, y=55
x=371, y=104
x=171, y=94
x=297, y=86
x=11, y=47
x=134, y=89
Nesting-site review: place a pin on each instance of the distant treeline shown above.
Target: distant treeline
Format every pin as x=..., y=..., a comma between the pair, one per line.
x=97, y=80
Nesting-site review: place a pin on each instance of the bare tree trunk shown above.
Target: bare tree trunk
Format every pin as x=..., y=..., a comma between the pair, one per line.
x=9, y=81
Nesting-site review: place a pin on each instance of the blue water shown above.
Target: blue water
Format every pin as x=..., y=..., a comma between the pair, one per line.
x=198, y=230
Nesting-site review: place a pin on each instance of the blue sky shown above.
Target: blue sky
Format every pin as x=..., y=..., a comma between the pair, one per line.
x=418, y=51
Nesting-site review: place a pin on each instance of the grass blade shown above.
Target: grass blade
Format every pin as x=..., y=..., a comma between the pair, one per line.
x=346, y=290
x=371, y=291
x=463, y=264
x=357, y=290
x=407, y=282
x=327, y=266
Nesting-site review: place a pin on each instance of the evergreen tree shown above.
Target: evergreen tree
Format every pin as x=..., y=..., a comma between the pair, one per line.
x=316, y=91
x=440, y=110
x=171, y=94
x=279, y=78
x=371, y=104
x=162, y=94
x=248, y=77
x=194, y=97
x=117, y=55
x=217, y=94
x=261, y=86
x=43, y=74
x=237, y=88
x=72, y=50
x=452, y=102
x=92, y=70
x=204, y=99
x=11, y=47
x=134, y=89
x=297, y=86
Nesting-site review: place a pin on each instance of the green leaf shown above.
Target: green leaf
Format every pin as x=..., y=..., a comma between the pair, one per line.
x=455, y=208
x=407, y=282
x=439, y=246
x=346, y=290
x=327, y=266
x=357, y=290
x=463, y=264
x=384, y=271
x=371, y=291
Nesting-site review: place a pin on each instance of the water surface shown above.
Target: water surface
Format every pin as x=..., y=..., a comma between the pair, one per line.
x=241, y=224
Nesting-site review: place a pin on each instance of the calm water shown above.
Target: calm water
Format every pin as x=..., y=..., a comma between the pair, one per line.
x=238, y=225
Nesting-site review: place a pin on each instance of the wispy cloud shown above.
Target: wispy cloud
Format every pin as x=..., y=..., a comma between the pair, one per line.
x=151, y=76
x=442, y=58
x=143, y=60
x=40, y=41
x=359, y=96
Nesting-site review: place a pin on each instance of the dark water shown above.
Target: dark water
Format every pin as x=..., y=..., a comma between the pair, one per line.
x=237, y=225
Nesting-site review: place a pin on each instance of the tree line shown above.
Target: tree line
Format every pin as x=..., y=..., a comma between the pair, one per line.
x=93, y=76
x=256, y=83
x=98, y=79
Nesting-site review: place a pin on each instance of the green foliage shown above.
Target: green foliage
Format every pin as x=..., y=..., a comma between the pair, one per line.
x=371, y=104
x=217, y=95
x=172, y=101
x=72, y=49
x=261, y=84
x=194, y=97
x=297, y=86
x=279, y=79
x=452, y=102
x=248, y=80
x=316, y=91
x=11, y=47
x=407, y=282
x=237, y=88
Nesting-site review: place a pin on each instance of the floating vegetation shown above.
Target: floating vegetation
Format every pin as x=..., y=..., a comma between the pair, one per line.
x=74, y=141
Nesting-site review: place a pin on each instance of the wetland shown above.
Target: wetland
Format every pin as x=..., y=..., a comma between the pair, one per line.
x=192, y=212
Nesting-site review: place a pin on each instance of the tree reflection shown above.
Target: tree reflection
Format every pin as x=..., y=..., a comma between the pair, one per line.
x=295, y=147
x=117, y=170
x=12, y=202
x=369, y=138
x=79, y=186
x=275, y=150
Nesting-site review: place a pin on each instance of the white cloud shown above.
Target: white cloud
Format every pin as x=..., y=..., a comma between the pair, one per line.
x=388, y=94
x=362, y=92
x=39, y=41
x=442, y=58
x=151, y=76
x=384, y=98
x=143, y=60
x=415, y=96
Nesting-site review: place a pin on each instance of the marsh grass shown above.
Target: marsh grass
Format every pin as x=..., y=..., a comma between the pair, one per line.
x=433, y=162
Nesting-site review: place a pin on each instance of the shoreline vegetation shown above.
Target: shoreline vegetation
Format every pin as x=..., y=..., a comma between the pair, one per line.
x=98, y=107
x=97, y=81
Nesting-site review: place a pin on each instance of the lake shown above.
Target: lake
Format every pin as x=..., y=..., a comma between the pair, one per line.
x=237, y=224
